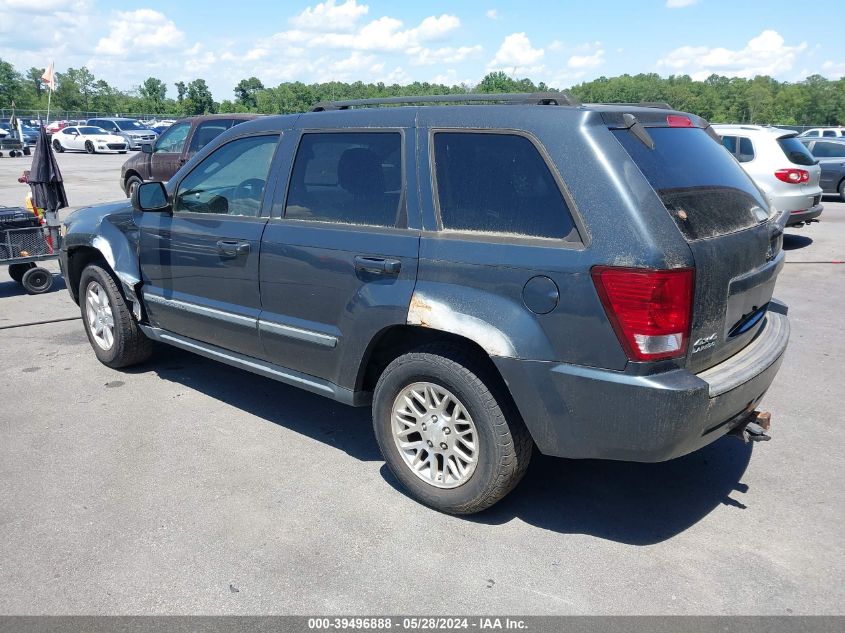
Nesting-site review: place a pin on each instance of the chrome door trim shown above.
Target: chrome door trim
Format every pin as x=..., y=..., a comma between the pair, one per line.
x=194, y=308
x=300, y=334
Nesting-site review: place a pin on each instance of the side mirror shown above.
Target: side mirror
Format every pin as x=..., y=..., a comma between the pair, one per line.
x=150, y=197
x=147, y=148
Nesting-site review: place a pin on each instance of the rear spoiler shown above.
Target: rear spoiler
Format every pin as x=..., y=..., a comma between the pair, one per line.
x=638, y=119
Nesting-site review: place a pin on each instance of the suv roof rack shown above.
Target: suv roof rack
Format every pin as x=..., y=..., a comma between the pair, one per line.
x=641, y=104
x=529, y=98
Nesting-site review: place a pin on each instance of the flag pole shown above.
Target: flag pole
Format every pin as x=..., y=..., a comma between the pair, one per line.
x=49, y=97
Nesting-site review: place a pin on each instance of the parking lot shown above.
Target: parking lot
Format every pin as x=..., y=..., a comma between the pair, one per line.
x=186, y=486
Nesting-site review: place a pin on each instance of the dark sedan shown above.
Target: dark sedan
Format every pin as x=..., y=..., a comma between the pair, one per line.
x=831, y=156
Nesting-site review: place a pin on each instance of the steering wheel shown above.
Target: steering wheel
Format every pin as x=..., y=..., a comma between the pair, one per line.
x=250, y=188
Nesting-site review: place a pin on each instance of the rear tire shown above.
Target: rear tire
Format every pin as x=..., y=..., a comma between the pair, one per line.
x=17, y=271
x=112, y=331
x=58, y=146
x=455, y=409
x=37, y=280
x=89, y=147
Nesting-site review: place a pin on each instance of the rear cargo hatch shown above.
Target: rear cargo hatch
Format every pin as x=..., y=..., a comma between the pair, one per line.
x=725, y=220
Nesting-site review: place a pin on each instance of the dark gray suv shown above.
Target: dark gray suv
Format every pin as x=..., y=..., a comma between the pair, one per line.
x=592, y=280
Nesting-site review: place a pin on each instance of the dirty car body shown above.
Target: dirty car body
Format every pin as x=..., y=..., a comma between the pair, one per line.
x=434, y=232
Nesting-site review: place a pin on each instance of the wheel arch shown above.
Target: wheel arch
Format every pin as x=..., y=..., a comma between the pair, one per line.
x=396, y=340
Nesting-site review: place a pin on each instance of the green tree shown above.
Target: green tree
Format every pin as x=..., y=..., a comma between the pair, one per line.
x=11, y=85
x=153, y=92
x=199, y=99
x=246, y=90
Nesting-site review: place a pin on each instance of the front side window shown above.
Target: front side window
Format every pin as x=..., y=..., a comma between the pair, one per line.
x=347, y=177
x=207, y=132
x=172, y=140
x=813, y=133
x=498, y=183
x=230, y=181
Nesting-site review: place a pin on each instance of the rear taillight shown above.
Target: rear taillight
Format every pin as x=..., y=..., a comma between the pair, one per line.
x=650, y=310
x=793, y=176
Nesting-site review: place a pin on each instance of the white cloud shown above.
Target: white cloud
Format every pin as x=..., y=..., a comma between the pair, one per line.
x=493, y=14
x=516, y=52
x=679, y=4
x=593, y=60
x=445, y=55
x=766, y=54
x=832, y=70
x=140, y=30
x=329, y=16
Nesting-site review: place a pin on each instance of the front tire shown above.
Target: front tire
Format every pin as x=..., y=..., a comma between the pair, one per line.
x=842, y=190
x=58, y=146
x=89, y=147
x=447, y=430
x=112, y=331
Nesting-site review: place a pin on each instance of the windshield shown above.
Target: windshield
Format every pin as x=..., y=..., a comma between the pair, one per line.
x=702, y=186
x=796, y=151
x=92, y=130
x=130, y=125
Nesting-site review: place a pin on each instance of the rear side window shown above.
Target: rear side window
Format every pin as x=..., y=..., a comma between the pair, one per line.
x=348, y=178
x=498, y=183
x=795, y=151
x=829, y=150
x=829, y=133
x=730, y=143
x=207, y=132
x=746, y=150
x=704, y=190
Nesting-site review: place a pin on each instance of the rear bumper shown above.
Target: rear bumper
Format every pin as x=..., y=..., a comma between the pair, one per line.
x=582, y=412
x=797, y=217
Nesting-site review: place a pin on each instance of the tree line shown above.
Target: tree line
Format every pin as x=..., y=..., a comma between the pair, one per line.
x=813, y=101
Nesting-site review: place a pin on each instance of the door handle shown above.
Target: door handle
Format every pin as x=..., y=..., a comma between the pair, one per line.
x=232, y=248
x=379, y=265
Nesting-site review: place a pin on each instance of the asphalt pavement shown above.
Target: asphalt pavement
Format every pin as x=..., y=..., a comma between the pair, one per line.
x=184, y=486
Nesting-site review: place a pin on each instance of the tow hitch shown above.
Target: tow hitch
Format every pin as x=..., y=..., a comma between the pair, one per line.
x=753, y=427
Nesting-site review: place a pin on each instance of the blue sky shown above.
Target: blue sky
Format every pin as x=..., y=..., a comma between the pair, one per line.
x=561, y=43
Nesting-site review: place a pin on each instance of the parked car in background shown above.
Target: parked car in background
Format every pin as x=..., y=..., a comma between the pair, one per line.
x=160, y=160
x=780, y=165
x=831, y=156
x=88, y=138
x=594, y=280
x=55, y=126
x=826, y=132
x=159, y=129
x=134, y=133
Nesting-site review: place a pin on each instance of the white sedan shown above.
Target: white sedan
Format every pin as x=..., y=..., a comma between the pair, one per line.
x=88, y=138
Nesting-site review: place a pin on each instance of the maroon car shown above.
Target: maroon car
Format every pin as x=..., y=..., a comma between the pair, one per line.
x=173, y=148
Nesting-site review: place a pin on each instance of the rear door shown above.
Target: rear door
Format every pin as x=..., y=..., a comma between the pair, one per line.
x=339, y=256
x=203, y=134
x=166, y=158
x=725, y=220
x=199, y=264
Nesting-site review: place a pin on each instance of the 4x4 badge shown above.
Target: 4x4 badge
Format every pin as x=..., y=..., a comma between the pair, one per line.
x=704, y=343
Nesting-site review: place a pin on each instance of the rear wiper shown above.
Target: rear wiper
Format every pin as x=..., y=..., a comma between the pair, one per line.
x=638, y=129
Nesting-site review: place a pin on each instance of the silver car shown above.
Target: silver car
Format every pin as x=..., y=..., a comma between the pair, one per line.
x=780, y=165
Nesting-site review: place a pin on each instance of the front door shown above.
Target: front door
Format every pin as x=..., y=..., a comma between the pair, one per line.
x=166, y=158
x=339, y=262
x=199, y=265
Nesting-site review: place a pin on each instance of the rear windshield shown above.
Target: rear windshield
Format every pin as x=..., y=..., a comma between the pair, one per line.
x=796, y=151
x=701, y=185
